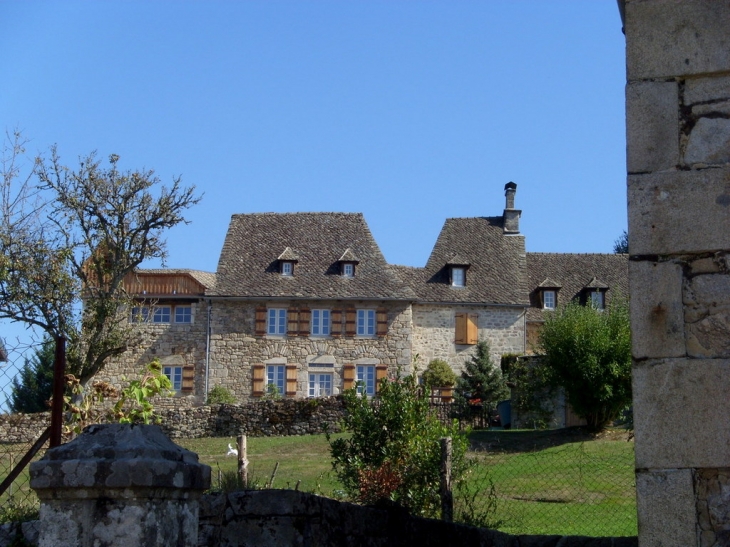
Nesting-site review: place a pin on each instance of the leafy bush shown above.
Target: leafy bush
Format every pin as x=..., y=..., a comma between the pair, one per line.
x=588, y=352
x=438, y=373
x=220, y=394
x=393, y=453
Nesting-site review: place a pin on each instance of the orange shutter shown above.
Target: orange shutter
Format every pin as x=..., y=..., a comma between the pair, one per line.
x=472, y=329
x=350, y=322
x=291, y=380
x=188, y=379
x=259, y=373
x=348, y=377
x=336, y=329
x=260, y=321
x=305, y=316
x=460, y=330
x=381, y=371
x=382, y=321
x=292, y=322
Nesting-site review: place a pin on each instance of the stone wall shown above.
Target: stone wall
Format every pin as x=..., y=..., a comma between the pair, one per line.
x=434, y=332
x=23, y=428
x=678, y=133
x=275, y=518
x=234, y=348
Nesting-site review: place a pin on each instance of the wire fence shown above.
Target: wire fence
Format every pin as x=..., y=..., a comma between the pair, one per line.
x=16, y=439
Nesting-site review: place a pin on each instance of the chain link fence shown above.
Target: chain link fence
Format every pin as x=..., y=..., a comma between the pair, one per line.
x=16, y=435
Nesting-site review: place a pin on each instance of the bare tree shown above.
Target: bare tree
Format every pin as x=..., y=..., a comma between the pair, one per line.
x=74, y=235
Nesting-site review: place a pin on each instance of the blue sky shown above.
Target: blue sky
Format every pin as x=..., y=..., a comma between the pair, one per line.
x=407, y=111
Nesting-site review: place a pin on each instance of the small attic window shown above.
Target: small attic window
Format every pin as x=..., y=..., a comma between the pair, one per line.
x=549, y=299
x=348, y=269
x=458, y=276
x=287, y=268
x=598, y=299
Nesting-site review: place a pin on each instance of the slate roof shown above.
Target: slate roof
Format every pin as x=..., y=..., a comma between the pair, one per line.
x=572, y=273
x=496, y=272
x=248, y=265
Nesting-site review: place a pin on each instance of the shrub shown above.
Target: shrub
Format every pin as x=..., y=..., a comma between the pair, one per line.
x=393, y=453
x=481, y=382
x=438, y=373
x=220, y=394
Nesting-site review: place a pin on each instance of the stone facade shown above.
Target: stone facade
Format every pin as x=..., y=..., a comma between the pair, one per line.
x=678, y=131
x=433, y=333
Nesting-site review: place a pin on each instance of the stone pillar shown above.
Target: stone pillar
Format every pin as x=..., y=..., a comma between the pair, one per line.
x=119, y=485
x=678, y=144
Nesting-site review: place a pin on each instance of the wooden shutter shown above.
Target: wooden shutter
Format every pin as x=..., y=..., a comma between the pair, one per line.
x=292, y=322
x=336, y=329
x=460, y=329
x=305, y=316
x=259, y=374
x=188, y=379
x=381, y=371
x=350, y=322
x=291, y=380
x=348, y=377
x=381, y=317
x=472, y=329
x=260, y=321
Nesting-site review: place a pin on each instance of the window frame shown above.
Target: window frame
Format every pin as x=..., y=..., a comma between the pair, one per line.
x=598, y=299
x=554, y=294
x=458, y=280
x=365, y=322
x=174, y=373
x=348, y=269
x=365, y=380
x=314, y=383
x=186, y=312
x=320, y=320
x=276, y=373
x=276, y=321
x=139, y=314
x=287, y=268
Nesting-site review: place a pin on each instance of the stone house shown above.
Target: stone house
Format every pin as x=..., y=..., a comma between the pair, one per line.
x=306, y=303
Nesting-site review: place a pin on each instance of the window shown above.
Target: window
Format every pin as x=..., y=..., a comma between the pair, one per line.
x=348, y=270
x=139, y=314
x=597, y=300
x=366, y=322
x=320, y=384
x=366, y=380
x=277, y=322
x=467, y=331
x=548, y=300
x=287, y=268
x=183, y=314
x=320, y=323
x=276, y=376
x=175, y=375
x=161, y=314
x=458, y=279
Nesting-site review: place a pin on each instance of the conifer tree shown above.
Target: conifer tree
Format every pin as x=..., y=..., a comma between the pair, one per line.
x=481, y=382
x=33, y=385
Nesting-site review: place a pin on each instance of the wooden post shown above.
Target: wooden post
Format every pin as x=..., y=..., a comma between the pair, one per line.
x=242, y=460
x=447, y=497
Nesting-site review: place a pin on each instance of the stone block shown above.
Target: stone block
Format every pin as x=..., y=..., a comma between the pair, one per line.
x=679, y=212
x=657, y=314
x=666, y=507
x=701, y=90
x=676, y=38
x=680, y=413
x=652, y=126
x=709, y=142
x=707, y=315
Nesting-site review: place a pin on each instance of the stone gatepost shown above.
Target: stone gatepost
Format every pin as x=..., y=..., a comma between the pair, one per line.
x=119, y=485
x=678, y=144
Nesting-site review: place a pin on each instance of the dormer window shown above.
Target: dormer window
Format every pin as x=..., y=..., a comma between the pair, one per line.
x=287, y=259
x=347, y=263
x=348, y=269
x=598, y=300
x=287, y=268
x=595, y=293
x=548, y=299
x=458, y=277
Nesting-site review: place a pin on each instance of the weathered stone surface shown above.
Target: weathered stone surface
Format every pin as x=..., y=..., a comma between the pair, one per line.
x=709, y=142
x=676, y=38
x=712, y=487
x=666, y=507
x=652, y=126
x=700, y=90
x=657, y=315
x=707, y=315
x=679, y=212
x=680, y=413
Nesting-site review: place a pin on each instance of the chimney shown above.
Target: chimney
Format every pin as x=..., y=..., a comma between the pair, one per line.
x=511, y=215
